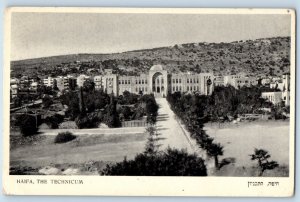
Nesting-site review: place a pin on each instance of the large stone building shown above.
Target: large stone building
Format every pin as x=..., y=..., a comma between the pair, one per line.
x=158, y=81
x=282, y=96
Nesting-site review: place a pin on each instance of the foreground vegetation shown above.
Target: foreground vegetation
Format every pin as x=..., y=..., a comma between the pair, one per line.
x=155, y=162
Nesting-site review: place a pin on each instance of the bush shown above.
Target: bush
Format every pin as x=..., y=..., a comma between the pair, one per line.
x=170, y=163
x=64, y=137
x=27, y=124
x=87, y=121
x=54, y=121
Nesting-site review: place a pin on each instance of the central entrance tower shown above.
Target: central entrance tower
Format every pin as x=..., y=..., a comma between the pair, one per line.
x=158, y=78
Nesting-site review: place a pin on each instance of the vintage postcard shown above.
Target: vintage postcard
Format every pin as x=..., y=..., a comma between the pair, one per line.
x=149, y=102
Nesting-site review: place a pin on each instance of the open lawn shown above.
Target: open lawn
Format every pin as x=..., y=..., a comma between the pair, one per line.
x=240, y=140
x=42, y=151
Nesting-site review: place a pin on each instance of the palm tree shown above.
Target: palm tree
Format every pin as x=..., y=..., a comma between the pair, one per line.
x=262, y=157
x=215, y=150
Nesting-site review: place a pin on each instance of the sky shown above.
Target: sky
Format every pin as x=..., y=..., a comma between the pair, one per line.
x=36, y=35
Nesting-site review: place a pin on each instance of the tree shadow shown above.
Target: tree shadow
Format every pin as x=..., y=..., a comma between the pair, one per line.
x=160, y=138
x=162, y=118
x=159, y=129
x=226, y=161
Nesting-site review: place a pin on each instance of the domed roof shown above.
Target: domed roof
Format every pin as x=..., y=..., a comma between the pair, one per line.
x=157, y=68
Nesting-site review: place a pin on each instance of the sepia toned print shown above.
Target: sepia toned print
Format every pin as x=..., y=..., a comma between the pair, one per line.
x=192, y=97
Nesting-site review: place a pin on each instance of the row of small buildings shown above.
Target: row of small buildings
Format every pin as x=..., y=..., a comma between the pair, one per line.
x=160, y=82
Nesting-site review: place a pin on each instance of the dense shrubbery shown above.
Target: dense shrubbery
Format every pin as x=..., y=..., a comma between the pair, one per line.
x=151, y=108
x=88, y=121
x=111, y=117
x=93, y=100
x=170, y=163
x=88, y=107
x=28, y=124
x=64, y=137
x=128, y=98
x=54, y=121
x=226, y=101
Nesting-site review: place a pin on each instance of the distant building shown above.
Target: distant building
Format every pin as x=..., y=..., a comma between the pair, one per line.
x=14, y=90
x=98, y=82
x=219, y=81
x=240, y=80
x=60, y=83
x=244, y=81
x=81, y=79
x=283, y=95
x=48, y=81
x=34, y=85
x=274, y=97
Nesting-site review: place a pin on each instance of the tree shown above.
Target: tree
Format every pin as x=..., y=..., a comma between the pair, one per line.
x=151, y=108
x=262, y=156
x=47, y=101
x=88, y=86
x=112, y=117
x=55, y=85
x=54, y=120
x=27, y=124
x=151, y=145
x=81, y=102
x=215, y=150
x=87, y=121
x=172, y=162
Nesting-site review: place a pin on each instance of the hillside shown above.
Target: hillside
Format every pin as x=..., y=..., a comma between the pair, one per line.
x=261, y=56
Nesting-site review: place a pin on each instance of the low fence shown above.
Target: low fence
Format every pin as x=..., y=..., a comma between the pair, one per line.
x=135, y=123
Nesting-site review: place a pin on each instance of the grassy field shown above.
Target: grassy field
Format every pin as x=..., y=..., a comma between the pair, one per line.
x=240, y=140
x=40, y=151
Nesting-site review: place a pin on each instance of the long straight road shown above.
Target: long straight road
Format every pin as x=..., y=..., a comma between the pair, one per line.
x=171, y=133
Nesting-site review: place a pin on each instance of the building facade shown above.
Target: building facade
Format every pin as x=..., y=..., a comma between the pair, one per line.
x=158, y=81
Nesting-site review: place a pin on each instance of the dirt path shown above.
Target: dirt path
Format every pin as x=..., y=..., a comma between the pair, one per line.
x=95, y=131
x=171, y=133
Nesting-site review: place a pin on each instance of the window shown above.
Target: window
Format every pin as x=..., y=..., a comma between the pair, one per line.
x=128, y=81
x=197, y=80
x=179, y=80
x=119, y=82
x=180, y=88
x=187, y=88
x=139, y=81
x=173, y=88
x=173, y=80
x=176, y=88
x=125, y=81
x=136, y=82
x=162, y=81
x=143, y=81
x=145, y=89
x=188, y=81
x=176, y=80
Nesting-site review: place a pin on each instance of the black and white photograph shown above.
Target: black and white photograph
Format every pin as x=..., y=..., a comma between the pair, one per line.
x=180, y=93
